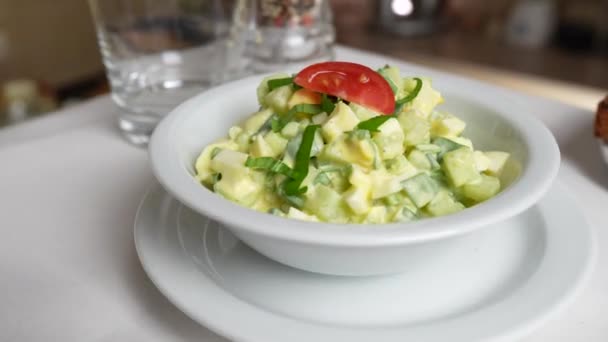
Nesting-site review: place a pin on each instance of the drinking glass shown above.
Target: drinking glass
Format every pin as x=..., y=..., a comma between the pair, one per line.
x=282, y=34
x=159, y=53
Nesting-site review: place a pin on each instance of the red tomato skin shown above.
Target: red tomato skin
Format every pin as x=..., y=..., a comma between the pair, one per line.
x=350, y=81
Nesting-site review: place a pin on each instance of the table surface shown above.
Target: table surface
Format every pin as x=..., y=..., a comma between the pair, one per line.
x=70, y=189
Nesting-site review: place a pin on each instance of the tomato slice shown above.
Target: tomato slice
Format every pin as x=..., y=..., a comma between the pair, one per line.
x=350, y=81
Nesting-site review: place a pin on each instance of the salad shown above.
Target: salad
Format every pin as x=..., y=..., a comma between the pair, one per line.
x=342, y=143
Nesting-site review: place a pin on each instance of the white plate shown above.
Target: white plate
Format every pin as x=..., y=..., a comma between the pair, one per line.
x=500, y=283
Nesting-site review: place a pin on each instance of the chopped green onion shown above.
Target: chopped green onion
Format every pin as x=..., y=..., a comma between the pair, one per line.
x=302, y=161
x=398, y=108
x=326, y=105
x=279, y=82
x=277, y=124
x=374, y=123
x=412, y=95
x=307, y=108
x=268, y=164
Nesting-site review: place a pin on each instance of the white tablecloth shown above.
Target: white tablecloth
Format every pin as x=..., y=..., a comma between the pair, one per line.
x=69, y=189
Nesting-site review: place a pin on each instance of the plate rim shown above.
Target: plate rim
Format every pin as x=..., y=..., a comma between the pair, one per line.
x=541, y=315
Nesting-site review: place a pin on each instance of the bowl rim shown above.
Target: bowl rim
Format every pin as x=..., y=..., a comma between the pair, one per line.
x=535, y=179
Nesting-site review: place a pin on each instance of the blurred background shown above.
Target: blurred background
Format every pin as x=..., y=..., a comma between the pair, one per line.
x=49, y=56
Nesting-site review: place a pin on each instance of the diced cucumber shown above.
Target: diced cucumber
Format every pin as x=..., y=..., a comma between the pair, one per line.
x=400, y=166
x=276, y=142
x=421, y=189
x=320, y=118
x=322, y=178
x=389, y=139
x=439, y=176
x=459, y=166
x=303, y=123
x=400, y=199
x=262, y=89
x=392, y=75
x=293, y=201
x=257, y=120
x=358, y=199
x=394, y=199
x=341, y=120
x=338, y=181
x=428, y=148
x=446, y=125
x=290, y=130
x=443, y=204
x=432, y=158
x=404, y=215
x=427, y=97
x=497, y=162
x=276, y=212
x=234, y=132
x=266, y=200
x=326, y=204
x=445, y=145
x=359, y=134
x=260, y=148
x=203, y=162
x=481, y=190
x=463, y=141
x=297, y=214
x=361, y=112
x=416, y=129
x=236, y=183
x=243, y=140
x=303, y=96
x=349, y=150
x=481, y=161
x=359, y=178
x=384, y=183
x=419, y=160
x=278, y=99
x=377, y=214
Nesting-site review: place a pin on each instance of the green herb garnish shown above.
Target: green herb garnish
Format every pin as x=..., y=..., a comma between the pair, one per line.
x=326, y=105
x=279, y=82
x=374, y=123
x=278, y=123
x=268, y=164
x=412, y=95
x=300, y=169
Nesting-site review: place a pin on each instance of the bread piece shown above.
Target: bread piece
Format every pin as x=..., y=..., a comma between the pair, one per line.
x=601, y=120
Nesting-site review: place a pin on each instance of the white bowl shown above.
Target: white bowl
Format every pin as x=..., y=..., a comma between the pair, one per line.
x=496, y=121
